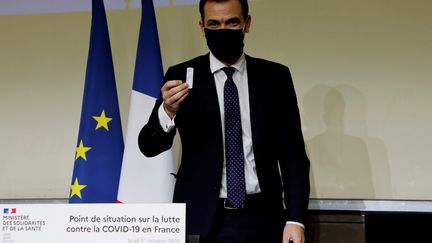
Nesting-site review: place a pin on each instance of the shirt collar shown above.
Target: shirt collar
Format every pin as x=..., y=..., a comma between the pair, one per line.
x=216, y=65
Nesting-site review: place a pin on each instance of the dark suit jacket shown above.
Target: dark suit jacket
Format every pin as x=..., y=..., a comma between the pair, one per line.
x=281, y=161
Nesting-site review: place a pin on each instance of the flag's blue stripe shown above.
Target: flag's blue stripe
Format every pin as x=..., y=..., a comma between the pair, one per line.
x=101, y=171
x=148, y=75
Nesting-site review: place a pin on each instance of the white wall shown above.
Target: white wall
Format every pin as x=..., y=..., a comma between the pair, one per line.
x=361, y=70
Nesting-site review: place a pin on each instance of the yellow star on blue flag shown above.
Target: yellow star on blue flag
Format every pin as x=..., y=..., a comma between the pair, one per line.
x=81, y=151
x=102, y=121
x=76, y=189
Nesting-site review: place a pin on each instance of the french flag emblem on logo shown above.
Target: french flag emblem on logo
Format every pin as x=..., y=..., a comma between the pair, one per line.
x=9, y=210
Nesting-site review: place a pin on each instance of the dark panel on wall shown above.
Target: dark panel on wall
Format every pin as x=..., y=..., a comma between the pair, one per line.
x=398, y=227
x=335, y=227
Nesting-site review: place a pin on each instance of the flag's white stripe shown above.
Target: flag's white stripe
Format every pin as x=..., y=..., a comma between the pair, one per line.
x=144, y=179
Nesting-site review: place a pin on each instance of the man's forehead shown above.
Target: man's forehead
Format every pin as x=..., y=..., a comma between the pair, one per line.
x=222, y=10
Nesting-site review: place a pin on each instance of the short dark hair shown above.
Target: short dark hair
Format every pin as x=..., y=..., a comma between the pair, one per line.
x=244, y=4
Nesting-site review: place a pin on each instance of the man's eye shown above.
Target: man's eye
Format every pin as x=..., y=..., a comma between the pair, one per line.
x=212, y=24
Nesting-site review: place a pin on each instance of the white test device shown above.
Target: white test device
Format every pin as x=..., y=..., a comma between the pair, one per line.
x=189, y=77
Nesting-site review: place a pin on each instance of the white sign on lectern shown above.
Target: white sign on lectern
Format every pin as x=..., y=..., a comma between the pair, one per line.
x=85, y=223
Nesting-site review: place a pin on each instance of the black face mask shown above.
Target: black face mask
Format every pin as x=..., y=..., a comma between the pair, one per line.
x=225, y=44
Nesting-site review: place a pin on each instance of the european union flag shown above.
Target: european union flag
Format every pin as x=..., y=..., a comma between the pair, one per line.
x=100, y=145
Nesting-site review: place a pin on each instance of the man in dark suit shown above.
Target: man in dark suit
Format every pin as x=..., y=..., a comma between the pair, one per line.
x=242, y=144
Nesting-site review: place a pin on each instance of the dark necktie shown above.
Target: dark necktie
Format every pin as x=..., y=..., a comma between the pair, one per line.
x=236, y=186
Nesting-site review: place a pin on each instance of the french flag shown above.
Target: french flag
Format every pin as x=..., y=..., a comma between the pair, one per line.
x=142, y=179
x=9, y=210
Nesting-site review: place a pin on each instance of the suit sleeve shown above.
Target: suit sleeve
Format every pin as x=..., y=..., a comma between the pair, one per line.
x=294, y=163
x=152, y=139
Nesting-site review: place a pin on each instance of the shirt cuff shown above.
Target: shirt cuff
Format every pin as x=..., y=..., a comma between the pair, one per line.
x=164, y=120
x=296, y=223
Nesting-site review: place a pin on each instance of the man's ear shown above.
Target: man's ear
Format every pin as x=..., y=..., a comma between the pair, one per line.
x=247, y=24
x=201, y=24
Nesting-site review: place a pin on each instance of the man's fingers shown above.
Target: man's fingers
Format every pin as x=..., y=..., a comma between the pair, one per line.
x=175, y=98
x=173, y=84
x=172, y=88
x=182, y=97
x=293, y=233
x=170, y=84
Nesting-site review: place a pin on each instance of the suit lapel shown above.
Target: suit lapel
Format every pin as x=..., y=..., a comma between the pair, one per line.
x=255, y=83
x=209, y=94
x=206, y=86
